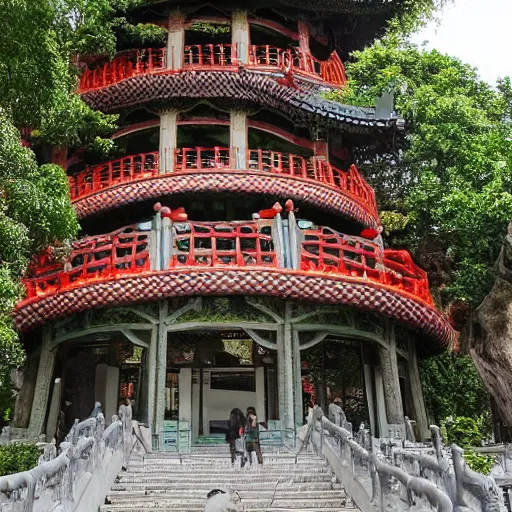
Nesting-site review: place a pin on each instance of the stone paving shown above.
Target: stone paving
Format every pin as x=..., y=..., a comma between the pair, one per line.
x=171, y=482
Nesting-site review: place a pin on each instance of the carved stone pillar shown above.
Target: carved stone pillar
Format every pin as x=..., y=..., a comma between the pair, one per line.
x=297, y=379
x=418, y=402
x=240, y=35
x=238, y=139
x=389, y=369
x=176, y=40
x=42, y=391
x=151, y=376
x=168, y=140
x=161, y=366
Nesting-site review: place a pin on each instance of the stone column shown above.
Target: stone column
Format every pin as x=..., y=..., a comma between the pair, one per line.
x=44, y=379
x=240, y=35
x=161, y=366
x=185, y=394
x=418, y=402
x=285, y=362
x=389, y=369
x=168, y=140
x=297, y=378
x=238, y=139
x=150, y=378
x=176, y=40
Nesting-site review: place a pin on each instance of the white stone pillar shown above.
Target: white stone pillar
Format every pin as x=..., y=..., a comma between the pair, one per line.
x=151, y=376
x=168, y=140
x=238, y=139
x=240, y=35
x=161, y=366
x=382, y=420
x=297, y=379
x=285, y=361
x=176, y=40
x=42, y=391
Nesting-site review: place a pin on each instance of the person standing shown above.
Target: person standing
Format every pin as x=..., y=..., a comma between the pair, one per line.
x=253, y=435
x=234, y=435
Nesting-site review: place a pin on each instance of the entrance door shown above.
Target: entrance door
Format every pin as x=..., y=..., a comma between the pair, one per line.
x=222, y=390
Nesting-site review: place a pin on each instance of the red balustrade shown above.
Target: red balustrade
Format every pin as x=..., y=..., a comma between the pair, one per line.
x=152, y=60
x=110, y=174
x=225, y=244
x=92, y=259
x=209, y=244
x=209, y=55
x=145, y=165
x=328, y=251
x=201, y=158
x=124, y=65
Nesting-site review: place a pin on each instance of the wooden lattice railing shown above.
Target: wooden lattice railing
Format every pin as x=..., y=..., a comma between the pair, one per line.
x=242, y=244
x=326, y=250
x=146, y=165
x=132, y=63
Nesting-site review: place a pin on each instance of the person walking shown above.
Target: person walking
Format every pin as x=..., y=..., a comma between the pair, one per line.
x=234, y=436
x=253, y=435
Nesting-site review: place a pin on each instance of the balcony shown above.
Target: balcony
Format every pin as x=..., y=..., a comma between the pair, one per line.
x=204, y=258
x=354, y=197
x=214, y=57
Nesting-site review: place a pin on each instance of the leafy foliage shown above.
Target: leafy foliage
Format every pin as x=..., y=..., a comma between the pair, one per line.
x=452, y=387
x=15, y=458
x=467, y=433
x=449, y=173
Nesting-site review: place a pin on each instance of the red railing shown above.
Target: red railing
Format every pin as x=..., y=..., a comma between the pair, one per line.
x=209, y=55
x=110, y=174
x=152, y=60
x=201, y=158
x=124, y=65
x=92, y=259
x=145, y=165
x=213, y=244
x=225, y=244
x=327, y=251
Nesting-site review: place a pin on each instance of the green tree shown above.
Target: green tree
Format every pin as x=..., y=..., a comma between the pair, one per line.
x=448, y=174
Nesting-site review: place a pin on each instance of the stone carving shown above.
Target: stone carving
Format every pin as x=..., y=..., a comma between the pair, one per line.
x=56, y=483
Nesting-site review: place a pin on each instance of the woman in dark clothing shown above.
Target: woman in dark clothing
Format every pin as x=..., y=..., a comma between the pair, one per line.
x=253, y=435
x=236, y=428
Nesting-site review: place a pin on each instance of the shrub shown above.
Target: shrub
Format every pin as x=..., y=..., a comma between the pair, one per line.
x=18, y=457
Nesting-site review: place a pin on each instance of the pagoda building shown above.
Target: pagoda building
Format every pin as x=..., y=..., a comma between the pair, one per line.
x=231, y=255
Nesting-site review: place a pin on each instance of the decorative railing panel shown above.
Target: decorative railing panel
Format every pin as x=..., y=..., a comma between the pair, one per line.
x=146, y=165
x=205, y=244
x=93, y=258
x=132, y=63
x=326, y=250
x=115, y=172
x=373, y=483
x=89, y=460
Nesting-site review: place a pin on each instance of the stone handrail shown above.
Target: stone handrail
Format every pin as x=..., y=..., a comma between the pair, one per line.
x=370, y=481
x=465, y=487
x=77, y=479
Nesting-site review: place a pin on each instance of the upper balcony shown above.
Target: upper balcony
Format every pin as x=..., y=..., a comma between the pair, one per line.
x=272, y=255
x=308, y=180
x=214, y=57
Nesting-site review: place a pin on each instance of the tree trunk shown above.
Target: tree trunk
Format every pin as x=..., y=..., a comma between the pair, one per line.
x=491, y=344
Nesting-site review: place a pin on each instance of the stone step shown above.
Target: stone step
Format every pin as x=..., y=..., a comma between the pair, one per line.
x=173, y=502
x=122, y=496
x=206, y=487
x=225, y=480
x=228, y=470
x=194, y=508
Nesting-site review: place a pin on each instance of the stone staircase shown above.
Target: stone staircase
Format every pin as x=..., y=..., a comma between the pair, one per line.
x=170, y=482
